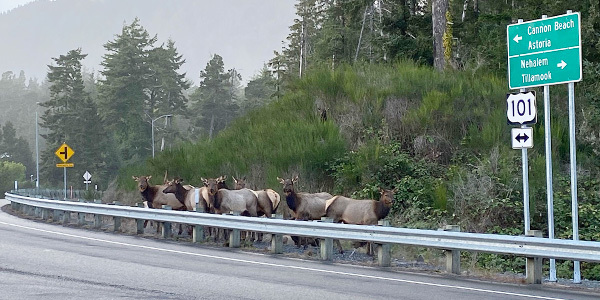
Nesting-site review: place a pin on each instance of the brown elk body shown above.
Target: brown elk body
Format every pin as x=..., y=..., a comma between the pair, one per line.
x=223, y=200
x=154, y=195
x=267, y=199
x=186, y=195
x=362, y=212
x=306, y=206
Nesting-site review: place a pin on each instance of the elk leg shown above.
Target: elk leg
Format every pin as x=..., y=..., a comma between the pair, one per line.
x=339, y=245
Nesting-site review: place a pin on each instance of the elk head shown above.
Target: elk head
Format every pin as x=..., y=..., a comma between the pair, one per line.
x=172, y=185
x=143, y=182
x=213, y=184
x=288, y=184
x=387, y=196
x=240, y=183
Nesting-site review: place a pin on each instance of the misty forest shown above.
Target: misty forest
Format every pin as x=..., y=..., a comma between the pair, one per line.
x=364, y=94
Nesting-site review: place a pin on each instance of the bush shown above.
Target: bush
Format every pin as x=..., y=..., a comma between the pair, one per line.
x=9, y=173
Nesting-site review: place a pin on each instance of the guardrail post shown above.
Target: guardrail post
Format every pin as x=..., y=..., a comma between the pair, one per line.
x=56, y=215
x=198, y=233
x=277, y=239
x=140, y=222
x=45, y=213
x=326, y=243
x=234, y=236
x=534, y=264
x=166, y=228
x=66, y=217
x=116, y=220
x=452, y=256
x=98, y=218
x=384, y=255
x=81, y=216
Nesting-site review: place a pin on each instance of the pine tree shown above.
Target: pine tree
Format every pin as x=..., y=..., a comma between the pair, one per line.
x=166, y=92
x=125, y=91
x=15, y=149
x=212, y=99
x=71, y=117
x=259, y=90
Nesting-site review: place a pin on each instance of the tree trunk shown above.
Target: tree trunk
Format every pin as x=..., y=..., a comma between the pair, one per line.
x=438, y=16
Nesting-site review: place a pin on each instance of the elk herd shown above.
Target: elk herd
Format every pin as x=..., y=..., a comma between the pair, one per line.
x=216, y=197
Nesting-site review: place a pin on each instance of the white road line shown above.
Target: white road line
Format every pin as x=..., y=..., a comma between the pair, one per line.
x=288, y=266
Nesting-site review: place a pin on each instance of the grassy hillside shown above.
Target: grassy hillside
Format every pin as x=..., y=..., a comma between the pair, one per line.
x=440, y=139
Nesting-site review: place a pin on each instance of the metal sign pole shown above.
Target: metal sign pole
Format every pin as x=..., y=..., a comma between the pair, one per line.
x=65, y=178
x=574, y=206
x=549, y=189
x=525, y=165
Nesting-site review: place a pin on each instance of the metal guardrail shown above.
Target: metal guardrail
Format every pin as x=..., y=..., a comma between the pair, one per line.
x=488, y=243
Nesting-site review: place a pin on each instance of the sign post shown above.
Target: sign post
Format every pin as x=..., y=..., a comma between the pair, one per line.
x=545, y=52
x=64, y=152
x=521, y=110
x=87, y=176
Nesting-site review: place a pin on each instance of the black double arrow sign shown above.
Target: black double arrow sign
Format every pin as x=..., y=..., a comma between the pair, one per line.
x=522, y=138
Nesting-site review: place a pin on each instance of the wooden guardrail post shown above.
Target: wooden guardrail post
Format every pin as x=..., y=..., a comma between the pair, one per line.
x=277, y=239
x=98, y=218
x=326, y=243
x=166, y=228
x=140, y=222
x=198, y=233
x=116, y=220
x=534, y=264
x=234, y=235
x=384, y=253
x=452, y=256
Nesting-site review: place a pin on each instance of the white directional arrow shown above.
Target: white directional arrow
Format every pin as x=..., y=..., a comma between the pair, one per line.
x=517, y=38
x=562, y=64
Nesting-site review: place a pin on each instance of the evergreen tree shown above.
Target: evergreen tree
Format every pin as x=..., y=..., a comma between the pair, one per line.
x=71, y=117
x=125, y=91
x=166, y=91
x=259, y=90
x=15, y=149
x=212, y=99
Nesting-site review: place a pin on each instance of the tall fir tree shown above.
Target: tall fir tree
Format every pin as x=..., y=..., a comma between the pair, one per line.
x=71, y=117
x=14, y=148
x=125, y=91
x=212, y=99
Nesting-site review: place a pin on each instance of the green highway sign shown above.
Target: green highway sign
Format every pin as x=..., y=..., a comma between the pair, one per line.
x=544, y=51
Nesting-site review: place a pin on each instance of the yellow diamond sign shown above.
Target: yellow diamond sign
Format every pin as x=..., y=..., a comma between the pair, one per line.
x=64, y=152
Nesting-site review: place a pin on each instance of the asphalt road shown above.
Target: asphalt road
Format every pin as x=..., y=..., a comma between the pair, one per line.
x=48, y=261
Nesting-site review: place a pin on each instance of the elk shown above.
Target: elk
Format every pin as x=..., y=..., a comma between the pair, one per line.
x=361, y=212
x=223, y=200
x=154, y=196
x=306, y=206
x=268, y=199
x=186, y=196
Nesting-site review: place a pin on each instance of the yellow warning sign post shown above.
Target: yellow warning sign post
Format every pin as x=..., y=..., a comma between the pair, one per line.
x=64, y=152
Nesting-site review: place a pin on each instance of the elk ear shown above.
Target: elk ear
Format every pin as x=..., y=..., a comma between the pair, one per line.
x=223, y=178
x=234, y=180
x=148, y=178
x=295, y=180
x=135, y=178
x=244, y=178
x=280, y=180
x=204, y=181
